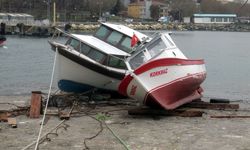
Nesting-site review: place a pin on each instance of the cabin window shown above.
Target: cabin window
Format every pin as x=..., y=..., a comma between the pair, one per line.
x=114, y=38
x=156, y=47
x=116, y=63
x=138, y=60
x=73, y=43
x=96, y=55
x=85, y=48
x=102, y=32
x=126, y=44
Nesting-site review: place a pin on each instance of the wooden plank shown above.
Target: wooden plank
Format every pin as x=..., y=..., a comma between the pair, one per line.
x=35, y=108
x=219, y=100
x=216, y=106
x=230, y=116
x=162, y=112
x=12, y=122
x=65, y=116
x=4, y=116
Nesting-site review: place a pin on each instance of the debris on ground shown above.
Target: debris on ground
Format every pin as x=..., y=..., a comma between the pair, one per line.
x=112, y=115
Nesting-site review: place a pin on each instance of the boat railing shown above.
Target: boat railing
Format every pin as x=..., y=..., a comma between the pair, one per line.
x=60, y=33
x=61, y=37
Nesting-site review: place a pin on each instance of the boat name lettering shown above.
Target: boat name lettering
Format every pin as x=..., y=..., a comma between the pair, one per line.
x=157, y=73
x=133, y=90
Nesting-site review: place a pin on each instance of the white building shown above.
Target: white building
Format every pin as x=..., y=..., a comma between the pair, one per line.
x=15, y=18
x=214, y=18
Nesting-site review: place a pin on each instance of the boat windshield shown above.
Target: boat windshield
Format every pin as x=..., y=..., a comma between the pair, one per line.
x=115, y=38
x=138, y=60
x=150, y=50
x=156, y=47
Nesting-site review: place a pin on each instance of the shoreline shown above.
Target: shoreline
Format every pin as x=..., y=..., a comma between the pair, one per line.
x=90, y=27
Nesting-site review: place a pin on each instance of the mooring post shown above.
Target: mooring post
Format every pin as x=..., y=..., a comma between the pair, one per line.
x=35, y=104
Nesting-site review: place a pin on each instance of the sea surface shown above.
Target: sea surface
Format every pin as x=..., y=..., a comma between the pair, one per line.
x=26, y=63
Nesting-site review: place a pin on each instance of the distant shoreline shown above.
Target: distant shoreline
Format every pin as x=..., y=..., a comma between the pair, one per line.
x=236, y=27
x=46, y=31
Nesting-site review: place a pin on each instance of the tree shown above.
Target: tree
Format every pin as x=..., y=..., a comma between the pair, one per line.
x=154, y=9
x=96, y=7
x=117, y=8
x=184, y=7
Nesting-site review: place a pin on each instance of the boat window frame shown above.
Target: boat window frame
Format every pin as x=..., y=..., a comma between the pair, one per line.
x=118, y=45
x=68, y=43
x=143, y=49
x=118, y=65
x=79, y=49
x=106, y=36
x=102, y=61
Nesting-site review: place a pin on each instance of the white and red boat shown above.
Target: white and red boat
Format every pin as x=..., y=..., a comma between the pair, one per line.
x=160, y=75
x=87, y=62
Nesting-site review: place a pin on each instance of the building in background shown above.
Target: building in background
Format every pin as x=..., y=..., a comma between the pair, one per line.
x=214, y=18
x=136, y=10
x=16, y=18
x=141, y=9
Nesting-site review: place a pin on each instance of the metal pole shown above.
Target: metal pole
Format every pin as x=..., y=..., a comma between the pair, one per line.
x=48, y=9
x=54, y=13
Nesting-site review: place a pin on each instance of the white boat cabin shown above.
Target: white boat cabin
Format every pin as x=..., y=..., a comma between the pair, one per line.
x=109, y=46
x=161, y=46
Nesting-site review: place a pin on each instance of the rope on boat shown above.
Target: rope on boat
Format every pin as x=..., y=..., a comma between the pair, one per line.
x=46, y=106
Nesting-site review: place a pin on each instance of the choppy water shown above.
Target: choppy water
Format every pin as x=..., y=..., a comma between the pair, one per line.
x=26, y=63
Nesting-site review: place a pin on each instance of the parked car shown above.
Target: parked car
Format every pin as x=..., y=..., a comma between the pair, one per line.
x=163, y=19
x=128, y=20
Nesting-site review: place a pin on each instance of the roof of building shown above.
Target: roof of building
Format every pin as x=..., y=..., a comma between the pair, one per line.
x=136, y=4
x=16, y=14
x=215, y=15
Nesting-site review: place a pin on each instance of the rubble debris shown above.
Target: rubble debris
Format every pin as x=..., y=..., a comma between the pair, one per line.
x=36, y=103
x=4, y=116
x=63, y=116
x=12, y=122
x=45, y=120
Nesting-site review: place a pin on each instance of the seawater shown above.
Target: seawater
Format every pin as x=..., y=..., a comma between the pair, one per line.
x=26, y=63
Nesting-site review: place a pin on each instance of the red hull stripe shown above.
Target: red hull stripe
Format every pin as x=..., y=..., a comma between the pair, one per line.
x=124, y=85
x=153, y=64
x=203, y=74
x=177, y=92
x=166, y=62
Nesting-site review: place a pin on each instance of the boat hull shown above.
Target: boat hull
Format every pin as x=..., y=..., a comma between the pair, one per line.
x=2, y=43
x=167, y=82
x=74, y=74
